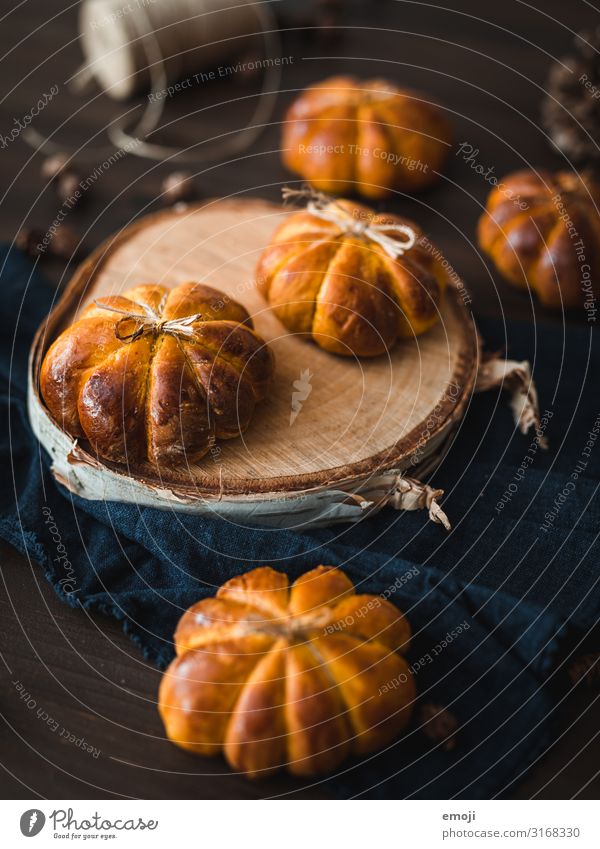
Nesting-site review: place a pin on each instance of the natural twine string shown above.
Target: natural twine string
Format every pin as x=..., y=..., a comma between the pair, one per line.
x=329, y=209
x=150, y=322
x=161, y=28
x=152, y=36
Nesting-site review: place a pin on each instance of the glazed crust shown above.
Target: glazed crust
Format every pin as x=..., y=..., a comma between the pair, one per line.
x=548, y=244
x=301, y=677
x=162, y=397
x=345, y=291
x=345, y=135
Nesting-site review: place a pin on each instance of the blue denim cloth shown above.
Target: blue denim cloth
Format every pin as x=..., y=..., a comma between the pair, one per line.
x=503, y=583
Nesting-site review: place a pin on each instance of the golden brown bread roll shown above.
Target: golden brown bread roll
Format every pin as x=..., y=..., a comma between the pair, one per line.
x=542, y=230
x=157, y=374
x=273, y=676
x=330, y=280
x=346, y=135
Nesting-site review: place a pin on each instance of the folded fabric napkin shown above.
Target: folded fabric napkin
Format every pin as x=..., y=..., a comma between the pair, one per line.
x=486, y=601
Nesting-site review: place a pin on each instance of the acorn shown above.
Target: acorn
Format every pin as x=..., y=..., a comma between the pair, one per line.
x=58, y=171
x=67, y=188
x=178, y=187
x=62, y=244
x=53, y=166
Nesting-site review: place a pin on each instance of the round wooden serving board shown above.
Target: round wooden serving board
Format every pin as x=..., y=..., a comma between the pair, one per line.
x=358, y=419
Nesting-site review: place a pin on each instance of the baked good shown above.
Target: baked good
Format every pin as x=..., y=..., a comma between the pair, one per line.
x=273, y=676
x=325, y=275
x=542, y=231
x=156, y=374
x=346, y=135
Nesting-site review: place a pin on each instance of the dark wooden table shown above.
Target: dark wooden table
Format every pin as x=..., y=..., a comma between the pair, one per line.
x=487, y=63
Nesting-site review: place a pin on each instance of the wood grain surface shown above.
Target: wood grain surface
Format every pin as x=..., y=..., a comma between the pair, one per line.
x=361, y=416
x=487, y=63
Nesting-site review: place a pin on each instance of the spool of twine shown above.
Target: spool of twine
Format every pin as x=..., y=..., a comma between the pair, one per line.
x=135, y=46
x=126, y=42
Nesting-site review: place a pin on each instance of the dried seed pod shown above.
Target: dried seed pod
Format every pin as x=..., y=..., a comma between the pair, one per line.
x=178, y=186
x=438, y=724
x=570, y=108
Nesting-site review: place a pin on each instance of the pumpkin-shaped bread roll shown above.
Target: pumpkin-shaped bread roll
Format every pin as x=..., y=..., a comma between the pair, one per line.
x=346, y=135
x=542, y=230
x=326, y=275
x=156, y=374
x=300, y=677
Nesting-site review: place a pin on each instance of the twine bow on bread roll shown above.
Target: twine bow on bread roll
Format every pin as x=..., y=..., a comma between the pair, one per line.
x=149, y=322
x=325, y=207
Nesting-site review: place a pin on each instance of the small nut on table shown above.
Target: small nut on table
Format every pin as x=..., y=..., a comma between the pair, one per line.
x=178, y=186
x=67, y=186
x=63, y=244
x=53, y=166
x=59, y=171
